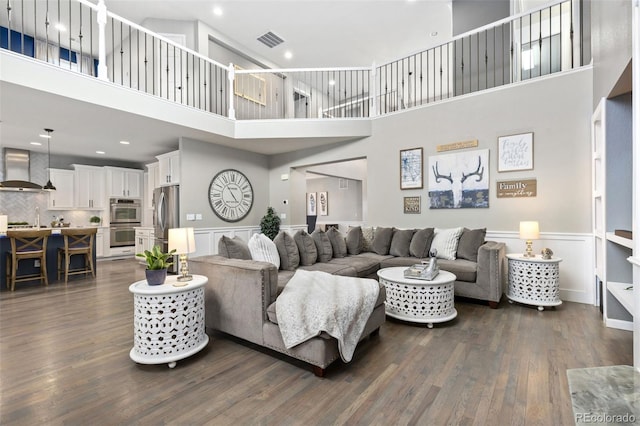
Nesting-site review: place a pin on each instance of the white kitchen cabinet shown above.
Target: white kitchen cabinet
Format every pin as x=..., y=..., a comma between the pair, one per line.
x=89, y=187
x=100, y=242
x=153, y=181
x=123, y=182
x=145, y=239
x=169, y=168
x=62, y=198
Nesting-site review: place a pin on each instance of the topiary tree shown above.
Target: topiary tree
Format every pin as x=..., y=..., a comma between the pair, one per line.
x=270, y=223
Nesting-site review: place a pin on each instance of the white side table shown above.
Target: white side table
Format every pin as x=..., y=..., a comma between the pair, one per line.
x=534, y=280
x=420, y=301
x=168, y=320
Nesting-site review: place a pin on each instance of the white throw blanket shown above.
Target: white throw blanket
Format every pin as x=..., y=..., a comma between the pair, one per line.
x=313, y=302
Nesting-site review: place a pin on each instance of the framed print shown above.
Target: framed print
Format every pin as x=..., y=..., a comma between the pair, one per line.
x=515, y=152
x=312, y=203
x=323, y=203
x=459, y=180
x=412, y=205
x=411, y=168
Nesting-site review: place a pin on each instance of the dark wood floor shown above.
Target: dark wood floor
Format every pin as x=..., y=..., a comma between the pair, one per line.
x=64, y=359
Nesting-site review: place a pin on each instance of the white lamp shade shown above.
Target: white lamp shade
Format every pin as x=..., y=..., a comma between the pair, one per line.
x=529, y=230
x=182, y=240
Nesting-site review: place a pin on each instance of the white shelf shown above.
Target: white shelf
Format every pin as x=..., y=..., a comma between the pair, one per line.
x=620, y=292
x=625, y=242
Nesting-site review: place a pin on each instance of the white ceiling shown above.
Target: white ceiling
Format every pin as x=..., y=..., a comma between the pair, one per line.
x=319, y=33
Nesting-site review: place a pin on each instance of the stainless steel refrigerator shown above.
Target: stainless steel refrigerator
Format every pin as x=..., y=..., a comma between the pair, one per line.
x=166, y=215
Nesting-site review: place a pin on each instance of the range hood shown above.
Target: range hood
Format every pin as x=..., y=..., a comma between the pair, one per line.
x=16, y=172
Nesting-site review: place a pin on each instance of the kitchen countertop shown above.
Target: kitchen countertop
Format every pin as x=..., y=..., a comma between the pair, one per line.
x=54, y=231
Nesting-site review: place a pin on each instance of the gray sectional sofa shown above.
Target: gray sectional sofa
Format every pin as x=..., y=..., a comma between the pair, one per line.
x=241, y=292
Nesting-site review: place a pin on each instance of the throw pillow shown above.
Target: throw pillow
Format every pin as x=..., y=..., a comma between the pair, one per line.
x=400, y=242
x=354, y=240
x=338, y=244
x=382, y=240
x=445, y=241
x=306, y=248
x=470, y=242
x=263, y=249
x=421, y=243
x=323, y=245
x=233, y=248
x=288, y=250
x=367, y=238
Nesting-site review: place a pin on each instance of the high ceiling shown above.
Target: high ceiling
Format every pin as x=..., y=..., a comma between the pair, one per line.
x=318, y=33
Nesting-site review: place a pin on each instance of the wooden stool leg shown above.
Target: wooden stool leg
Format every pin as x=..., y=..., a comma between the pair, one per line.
x=14, y=269
x=67, y=263
x=43, y=269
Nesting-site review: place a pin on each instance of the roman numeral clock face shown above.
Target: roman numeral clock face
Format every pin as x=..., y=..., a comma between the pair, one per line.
x=230, y=195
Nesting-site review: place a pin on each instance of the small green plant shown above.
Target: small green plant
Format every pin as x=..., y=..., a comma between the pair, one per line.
x=156, y=259
x=270, y=223
x=94, y=219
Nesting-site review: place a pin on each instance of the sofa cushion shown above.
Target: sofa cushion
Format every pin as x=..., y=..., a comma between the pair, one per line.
x=306, y=248
x=355, y=240
x=445, y=241
x=382, y=240
x=332, y=268
x=464, y=270
x=421, y=243
x=365, y=266
x=400, y=242
x=399, y=261
x=233, y=248
x=338, y=244
x=288, y=250
x=470, y=242
x=323, y=245
x=367, y=238
x=263, y=249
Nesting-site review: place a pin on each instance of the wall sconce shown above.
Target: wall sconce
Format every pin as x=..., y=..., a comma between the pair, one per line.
x=182, y=240
x=529, y=231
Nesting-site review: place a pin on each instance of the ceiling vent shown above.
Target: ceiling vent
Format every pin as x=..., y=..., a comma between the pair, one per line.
x=270, y=39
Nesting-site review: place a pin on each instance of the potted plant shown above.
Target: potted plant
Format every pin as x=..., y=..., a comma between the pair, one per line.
x=270, y=223
x=157, y=264
x=95, y=220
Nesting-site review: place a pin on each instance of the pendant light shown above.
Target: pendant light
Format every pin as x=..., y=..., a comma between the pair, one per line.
x=49, y=186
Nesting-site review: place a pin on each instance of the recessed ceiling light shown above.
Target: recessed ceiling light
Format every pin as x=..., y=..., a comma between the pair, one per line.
x=100, y=152
x=35, y=143
x=288, y=54
x=217, y=11
x=60, y=27
x=125, y=142
x=45, y=136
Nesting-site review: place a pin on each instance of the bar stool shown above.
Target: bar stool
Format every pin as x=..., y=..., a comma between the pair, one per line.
x=76, y=242
x=27, y=244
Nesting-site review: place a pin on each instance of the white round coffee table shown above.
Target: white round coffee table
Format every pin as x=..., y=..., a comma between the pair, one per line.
x=168, y=320
x=420, y=301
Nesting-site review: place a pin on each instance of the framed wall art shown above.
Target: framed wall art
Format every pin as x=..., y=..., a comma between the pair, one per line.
x=412, y=205
x=323, y=203
x=411, y=168
x=459, y=180
x=515, y=152
x=312, y=204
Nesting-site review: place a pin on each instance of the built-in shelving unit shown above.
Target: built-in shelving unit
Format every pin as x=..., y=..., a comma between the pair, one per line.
x=612, y=196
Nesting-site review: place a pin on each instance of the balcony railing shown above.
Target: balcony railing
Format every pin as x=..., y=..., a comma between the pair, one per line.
x=86, y=38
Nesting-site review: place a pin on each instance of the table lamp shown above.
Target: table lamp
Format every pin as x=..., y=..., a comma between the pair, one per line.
x=183, y=242
x=529, y=230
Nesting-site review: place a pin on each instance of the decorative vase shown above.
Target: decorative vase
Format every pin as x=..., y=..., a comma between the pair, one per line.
x=156, y=276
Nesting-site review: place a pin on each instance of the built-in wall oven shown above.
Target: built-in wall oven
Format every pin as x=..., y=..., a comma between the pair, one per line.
x=126, y=214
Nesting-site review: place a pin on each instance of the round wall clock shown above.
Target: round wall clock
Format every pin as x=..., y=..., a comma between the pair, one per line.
x=230, y=195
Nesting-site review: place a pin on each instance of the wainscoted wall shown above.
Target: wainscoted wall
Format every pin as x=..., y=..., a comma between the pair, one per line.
x=577, y=278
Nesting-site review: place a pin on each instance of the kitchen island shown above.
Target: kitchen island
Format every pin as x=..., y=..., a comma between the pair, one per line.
x=26, y=266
